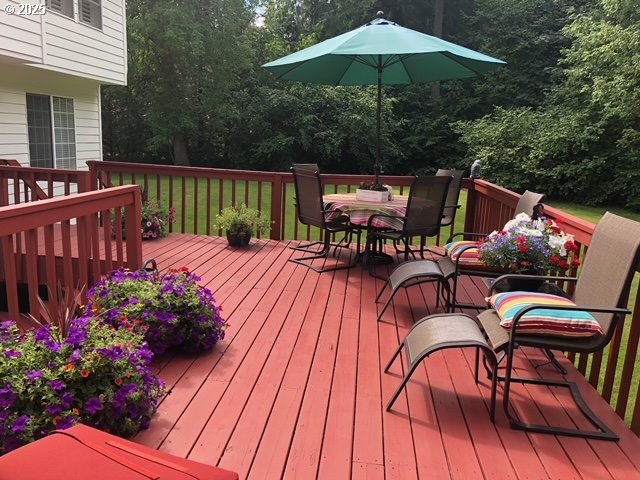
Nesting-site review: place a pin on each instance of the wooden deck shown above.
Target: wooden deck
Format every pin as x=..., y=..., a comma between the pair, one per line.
x=296, y=389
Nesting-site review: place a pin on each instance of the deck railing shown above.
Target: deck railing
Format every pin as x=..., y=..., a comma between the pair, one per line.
x=64, y=240
x=199, y=193
x=22, y=185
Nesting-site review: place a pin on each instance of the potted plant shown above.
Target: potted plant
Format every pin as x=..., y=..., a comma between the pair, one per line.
x=240, y=223
x=528, y=246
x=90, y=373
x=374, y=192
x=170, y=309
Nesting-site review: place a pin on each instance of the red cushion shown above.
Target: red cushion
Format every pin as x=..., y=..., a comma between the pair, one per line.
x=81, y=452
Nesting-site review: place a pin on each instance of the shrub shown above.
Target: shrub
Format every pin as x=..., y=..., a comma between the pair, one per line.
x=170, y=310
x=95, y=375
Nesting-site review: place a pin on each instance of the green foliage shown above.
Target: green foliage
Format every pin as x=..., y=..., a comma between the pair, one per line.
x=96, y=375
x=585, y=141
x=242, y=221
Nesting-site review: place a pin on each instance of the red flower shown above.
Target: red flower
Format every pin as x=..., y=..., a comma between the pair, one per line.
x=554, y=259
x=575, y=261
x=523, y=248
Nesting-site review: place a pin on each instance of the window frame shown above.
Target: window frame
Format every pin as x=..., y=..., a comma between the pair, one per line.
x=56, y=129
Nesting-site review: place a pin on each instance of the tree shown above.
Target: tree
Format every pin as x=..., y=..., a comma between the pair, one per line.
x=585, y=140
x=185, y=59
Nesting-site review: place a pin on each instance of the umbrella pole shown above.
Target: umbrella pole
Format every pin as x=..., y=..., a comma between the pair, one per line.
x=378, y=166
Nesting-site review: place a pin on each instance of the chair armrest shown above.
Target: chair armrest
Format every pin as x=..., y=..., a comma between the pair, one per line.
x=467, y=234
x=530, y=277
x=577, y=308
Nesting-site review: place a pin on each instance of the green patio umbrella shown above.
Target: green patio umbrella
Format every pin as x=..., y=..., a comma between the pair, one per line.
x=382, y=52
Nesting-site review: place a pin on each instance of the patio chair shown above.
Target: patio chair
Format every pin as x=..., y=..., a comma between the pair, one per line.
x=310, y=208
x=601, y=290
x=427, y=198
x=447, y=269
x=451, y=206
x=309, y=246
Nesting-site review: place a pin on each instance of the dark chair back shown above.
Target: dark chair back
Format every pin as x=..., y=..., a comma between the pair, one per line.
x=453, y=194
x=608, y=268
x=426, y=202
x=527, y=202
x=308, y=188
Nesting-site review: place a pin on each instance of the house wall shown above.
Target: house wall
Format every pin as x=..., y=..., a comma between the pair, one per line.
x=58, y=43
x=18, y=80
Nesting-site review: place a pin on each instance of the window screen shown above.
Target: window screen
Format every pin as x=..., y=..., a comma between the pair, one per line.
x=39, y=126
x=65, y=132
x=64, y=7
x=91, y=12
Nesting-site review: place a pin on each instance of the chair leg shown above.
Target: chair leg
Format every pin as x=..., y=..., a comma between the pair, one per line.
x=603, y=432
x=324, y=253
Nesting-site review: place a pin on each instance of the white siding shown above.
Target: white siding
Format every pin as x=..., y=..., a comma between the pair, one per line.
x=56, y=42
x=16, y=81
x=20, y=35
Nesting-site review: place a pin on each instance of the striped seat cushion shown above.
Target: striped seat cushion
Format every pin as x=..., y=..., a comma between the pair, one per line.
x=469, y=257
x=571, y=323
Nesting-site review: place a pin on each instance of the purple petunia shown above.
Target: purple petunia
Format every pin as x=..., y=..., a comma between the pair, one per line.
x=66, y=400
x=20, y=424
x=7, y=396
x=34, y=374
x=10, y=353
x=66, y=422
x=57, y=385
x=53, y=409
x=93, y=405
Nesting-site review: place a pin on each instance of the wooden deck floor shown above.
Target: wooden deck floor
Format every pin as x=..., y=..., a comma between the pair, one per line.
x=296, y=388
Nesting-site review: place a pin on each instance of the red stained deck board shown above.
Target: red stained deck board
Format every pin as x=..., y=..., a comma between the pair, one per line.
x=242, y=446
x=304, y=357
x=304, y=454
x=272, y=452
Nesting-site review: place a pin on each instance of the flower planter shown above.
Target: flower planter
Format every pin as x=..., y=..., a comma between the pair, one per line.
x=372, y=195
x=238, y=240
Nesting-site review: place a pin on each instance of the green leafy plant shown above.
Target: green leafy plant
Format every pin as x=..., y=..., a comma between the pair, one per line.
x=94, y=374
x=170, y=309
x=241, y=221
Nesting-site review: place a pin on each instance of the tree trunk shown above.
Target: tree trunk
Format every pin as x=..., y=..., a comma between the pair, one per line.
x=438, y=20
x=180, y=151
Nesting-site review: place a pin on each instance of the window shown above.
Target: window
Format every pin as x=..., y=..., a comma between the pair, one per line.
x=52, y=134
x=90, y=12
x=65, y=7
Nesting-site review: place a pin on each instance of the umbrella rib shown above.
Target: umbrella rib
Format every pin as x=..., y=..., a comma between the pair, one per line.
x=454, y=58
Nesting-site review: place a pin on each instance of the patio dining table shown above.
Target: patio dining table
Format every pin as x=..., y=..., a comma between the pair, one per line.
x=360, y=210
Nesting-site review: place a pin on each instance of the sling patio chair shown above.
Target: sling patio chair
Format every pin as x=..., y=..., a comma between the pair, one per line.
x=459, y=258
x=427, y=198
x=309, y=246
x=310, y=208
x=523, y=319
x=450, y=208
